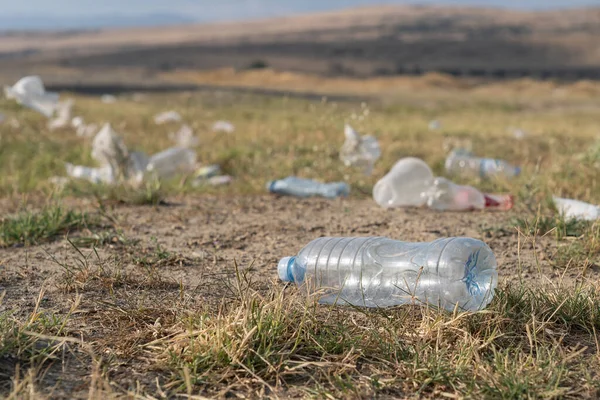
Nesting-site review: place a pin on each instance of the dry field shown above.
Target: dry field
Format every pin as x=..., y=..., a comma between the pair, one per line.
x=171, y=291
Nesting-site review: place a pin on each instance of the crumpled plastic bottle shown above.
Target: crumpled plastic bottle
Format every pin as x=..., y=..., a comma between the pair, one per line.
x=410, y=183
x=359, y=151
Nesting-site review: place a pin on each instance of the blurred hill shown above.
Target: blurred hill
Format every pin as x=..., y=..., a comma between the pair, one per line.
x=372, y=41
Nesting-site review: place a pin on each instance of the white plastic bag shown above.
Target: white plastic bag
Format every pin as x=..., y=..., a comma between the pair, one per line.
x=30, y=92
x=167, y=116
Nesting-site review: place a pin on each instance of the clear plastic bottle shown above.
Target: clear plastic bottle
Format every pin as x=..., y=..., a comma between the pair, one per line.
x=172, y=161
x=298, y=187
x=461, y=164
x=380, y=272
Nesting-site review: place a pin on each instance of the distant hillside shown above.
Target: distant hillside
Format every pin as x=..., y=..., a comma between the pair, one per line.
x=369, y=41
x=82, y=22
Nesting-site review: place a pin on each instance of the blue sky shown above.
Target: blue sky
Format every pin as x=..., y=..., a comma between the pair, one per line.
x=204, y=10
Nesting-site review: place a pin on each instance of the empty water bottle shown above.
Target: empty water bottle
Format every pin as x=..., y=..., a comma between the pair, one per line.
x=575, y=209
x=172, y=161
x=298, y=187
x=380, y=272
x=461, y=164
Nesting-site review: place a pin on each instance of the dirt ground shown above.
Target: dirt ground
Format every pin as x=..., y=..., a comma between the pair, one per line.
x=205, y=237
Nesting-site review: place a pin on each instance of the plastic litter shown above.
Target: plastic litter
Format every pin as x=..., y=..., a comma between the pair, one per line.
x=223, y=126
x=184, y=137
x=208, y=171
x=298, y=187
x=63, y=117
x=435, y=125
x=410, y=183
x=82, y=129
x=30, y=92
x=380, y=272
x=167, y=116
x=210, y=175
x=109, y=150
x=575, y=209
x=108, y=99
x=172, y=161
x=359, y=151
x=104, y=175
x=463, y=164
x=220, y=180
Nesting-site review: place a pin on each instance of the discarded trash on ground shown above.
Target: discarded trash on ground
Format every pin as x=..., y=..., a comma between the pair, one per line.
x=223, y=126
x=435, y=125
x=30, y=92
x=298, y=187
x=63, y=115
x=184, y=137
x=359, y=151
x=172, y=161
x=108, y=99
x=380, y=272
x=459, y=163
x=410, y=183
x=2, y=118
x=118, y=164
x=575, y=209
x=210, y=175
x=518, y=133
x=82, y=129
x=167, y=116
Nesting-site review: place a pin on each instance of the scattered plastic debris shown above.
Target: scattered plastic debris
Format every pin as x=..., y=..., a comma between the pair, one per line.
x=223, y=126
x=410, y=183
x=104, y=175
x=380, y=272
x=220, y=180
x=109, y=150
x=167, y=116
x=208, y=171
x=63, y=117
x=435, y=125
x=575, y=209
x=30, y=92
x=359, y=151
x=518, y=134
x=298, y=187
x=184, y=137
x=118, y=164
x=82, y=129
x=172, y=161
x=460, y=163
x=108, y=99
x=210, y=175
